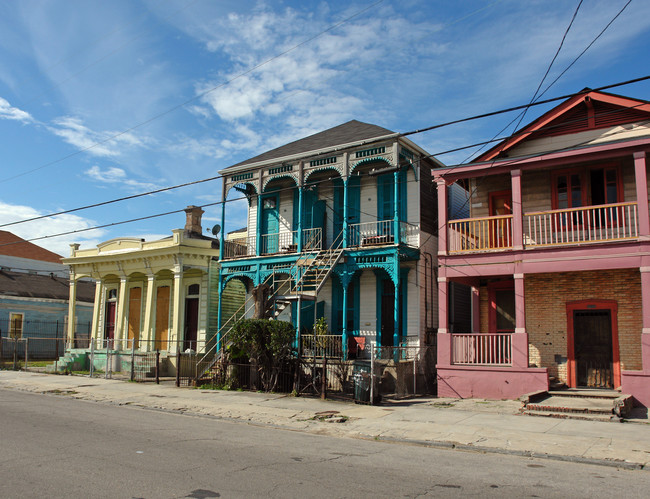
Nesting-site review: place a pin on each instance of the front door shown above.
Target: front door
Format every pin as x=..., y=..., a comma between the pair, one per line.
x=135, y=301
x=270, y=224
x=387, y=313
x=191, y=323
x=162, y=318
x=593, y=352
x=109, y=323
x=501, y=230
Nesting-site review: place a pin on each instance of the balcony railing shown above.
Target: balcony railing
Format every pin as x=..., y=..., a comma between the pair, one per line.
x=239, y=248
x=312, y=239
x=281, y=242
x=321, y=345
x=409, y=234
x=482, y=349
x=371, y=233
x=591, y=224
x=480, y=234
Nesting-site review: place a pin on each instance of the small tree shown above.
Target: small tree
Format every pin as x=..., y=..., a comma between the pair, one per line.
x=268, y=343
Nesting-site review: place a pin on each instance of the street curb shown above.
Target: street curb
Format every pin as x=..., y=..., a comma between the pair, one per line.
x=437, y=444
x=442, y=444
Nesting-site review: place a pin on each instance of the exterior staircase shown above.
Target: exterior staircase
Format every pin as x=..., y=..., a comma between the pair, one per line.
x=586, y=404
x=303, y=280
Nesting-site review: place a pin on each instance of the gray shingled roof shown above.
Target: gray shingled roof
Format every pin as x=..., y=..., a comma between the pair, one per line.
x=23, y=284
x=352, y=131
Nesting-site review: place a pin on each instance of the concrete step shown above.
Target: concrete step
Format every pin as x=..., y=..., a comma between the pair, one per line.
x=578, y=403
x=578, y=393
x=583, y=417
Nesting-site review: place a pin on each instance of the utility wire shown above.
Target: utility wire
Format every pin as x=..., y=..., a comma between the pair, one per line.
x=405, y=134
x=198, y=96
x=274, y=191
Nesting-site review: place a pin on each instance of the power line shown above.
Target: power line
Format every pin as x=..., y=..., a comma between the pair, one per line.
x=196, y=97
x=274, y=191
x=209, y=179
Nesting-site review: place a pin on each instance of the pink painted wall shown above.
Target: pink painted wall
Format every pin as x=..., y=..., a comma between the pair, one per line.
x=490, y=382
x=637, y=384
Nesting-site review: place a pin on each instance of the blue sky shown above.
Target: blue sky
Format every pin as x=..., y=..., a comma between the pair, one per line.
x=74, y=73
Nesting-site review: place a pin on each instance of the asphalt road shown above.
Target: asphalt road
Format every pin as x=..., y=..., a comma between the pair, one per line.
x=55, y=446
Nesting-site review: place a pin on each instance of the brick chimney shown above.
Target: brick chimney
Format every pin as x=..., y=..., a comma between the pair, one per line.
x=193, y=221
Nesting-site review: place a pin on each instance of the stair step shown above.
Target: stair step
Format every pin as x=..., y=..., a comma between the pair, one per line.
x=566, y=415
x=541, y=407
x=596, y=394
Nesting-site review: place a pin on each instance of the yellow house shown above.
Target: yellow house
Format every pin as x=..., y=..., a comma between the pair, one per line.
x=157, y=295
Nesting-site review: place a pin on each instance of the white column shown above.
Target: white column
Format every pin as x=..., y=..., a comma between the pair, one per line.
x=97, y=311
x=178, y=308
x=149, y=311
x=72, y=309
x=121, y=315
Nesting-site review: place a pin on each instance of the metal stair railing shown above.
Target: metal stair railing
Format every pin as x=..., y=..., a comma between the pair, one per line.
x=321, y=267
x=332, y=255
x=215, y=352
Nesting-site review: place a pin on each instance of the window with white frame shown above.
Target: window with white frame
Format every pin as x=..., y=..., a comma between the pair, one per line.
x=16, y=325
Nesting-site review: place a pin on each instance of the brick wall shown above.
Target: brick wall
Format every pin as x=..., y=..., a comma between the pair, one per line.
x=546, y=317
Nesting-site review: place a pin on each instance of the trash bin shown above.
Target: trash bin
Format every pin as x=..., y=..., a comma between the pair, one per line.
x=361, y=376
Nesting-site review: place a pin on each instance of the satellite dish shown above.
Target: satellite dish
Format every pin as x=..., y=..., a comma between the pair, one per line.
x=216, y=229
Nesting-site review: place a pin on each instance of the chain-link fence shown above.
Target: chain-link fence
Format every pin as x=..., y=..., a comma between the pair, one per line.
x=33, y=345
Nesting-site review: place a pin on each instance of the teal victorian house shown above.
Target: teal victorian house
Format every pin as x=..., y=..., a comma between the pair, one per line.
x=341, y=226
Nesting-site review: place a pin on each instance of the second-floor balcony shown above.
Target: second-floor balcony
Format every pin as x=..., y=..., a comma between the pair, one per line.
x=361, y=235
x=584, y=225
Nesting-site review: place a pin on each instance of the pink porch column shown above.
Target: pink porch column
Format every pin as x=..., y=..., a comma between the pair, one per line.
x=645, y=311
x=641, y=179
x=517, y=212
x=442, y=216
x=444, y=338
x=476, y=308
x=520, y=336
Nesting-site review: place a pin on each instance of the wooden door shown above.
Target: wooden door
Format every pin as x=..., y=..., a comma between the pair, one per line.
x=109, y=322
x=270, y=224
x=593, y=352
x=162, y=317
x=135, y=310
x=387, y=313
x=501, y=230
x=191, y=323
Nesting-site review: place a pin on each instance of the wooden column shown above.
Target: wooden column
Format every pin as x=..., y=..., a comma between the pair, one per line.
x=641, y=179
x=520, y=336
x=442, y=216
x=72, y=309
x=178, y=307
x=517, y=212
x=149, y=314
x=121, y=313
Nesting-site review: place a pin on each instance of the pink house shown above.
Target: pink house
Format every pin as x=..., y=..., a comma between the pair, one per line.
x=557, y=254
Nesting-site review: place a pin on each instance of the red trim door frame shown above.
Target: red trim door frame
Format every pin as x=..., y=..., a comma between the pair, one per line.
x=612, y=306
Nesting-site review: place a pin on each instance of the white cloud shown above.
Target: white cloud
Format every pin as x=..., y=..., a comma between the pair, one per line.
x=8, y=112
x=115, y=175
x=106, y=143
x=49, y=227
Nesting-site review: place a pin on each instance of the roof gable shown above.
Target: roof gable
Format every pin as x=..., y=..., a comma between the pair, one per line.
x=588, y=110
x=12, y=245
x=352, y=131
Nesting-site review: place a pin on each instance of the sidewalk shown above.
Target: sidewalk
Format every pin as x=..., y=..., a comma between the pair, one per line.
x=478, y=425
